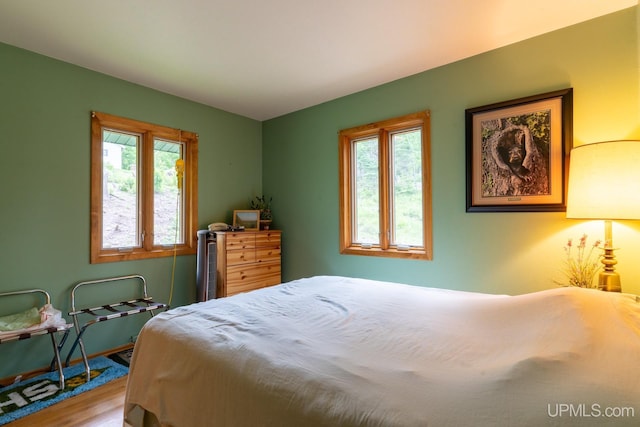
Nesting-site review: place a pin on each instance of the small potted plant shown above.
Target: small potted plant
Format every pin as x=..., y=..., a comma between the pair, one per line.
x=263, y=204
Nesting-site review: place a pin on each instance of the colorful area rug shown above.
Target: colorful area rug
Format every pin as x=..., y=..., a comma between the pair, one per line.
x=29, y=396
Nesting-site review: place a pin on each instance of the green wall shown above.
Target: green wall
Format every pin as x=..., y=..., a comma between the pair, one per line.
x=45, y=168
x=491, y=252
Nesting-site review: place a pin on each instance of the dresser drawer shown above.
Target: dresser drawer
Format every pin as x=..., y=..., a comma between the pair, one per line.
x=241, y=256
x=268, y=254
x=240, y=240
x=268, y=238
x=241, y=279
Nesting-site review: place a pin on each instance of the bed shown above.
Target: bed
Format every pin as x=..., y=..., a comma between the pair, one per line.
x=338, y=351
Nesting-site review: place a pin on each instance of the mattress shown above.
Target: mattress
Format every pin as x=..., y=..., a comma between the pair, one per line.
x=338, y=351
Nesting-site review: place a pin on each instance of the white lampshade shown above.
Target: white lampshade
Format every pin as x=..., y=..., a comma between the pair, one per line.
x=604, y=181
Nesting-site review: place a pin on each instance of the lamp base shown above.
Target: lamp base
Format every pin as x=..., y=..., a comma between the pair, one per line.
x=609, y=281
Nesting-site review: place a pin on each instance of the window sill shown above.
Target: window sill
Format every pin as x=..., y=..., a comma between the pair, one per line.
x=387, y=253
x=116, y=255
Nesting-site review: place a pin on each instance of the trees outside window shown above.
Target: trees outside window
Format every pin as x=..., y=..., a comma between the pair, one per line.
x=143, y=189
x=385, y=188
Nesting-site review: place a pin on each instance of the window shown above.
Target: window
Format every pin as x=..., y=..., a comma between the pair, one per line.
x=385, y=188
x=140, y=208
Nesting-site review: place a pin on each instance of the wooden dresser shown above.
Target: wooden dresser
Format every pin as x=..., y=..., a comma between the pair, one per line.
x=247, y=260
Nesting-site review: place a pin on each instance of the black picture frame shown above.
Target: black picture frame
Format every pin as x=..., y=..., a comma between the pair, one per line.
x=517, y=154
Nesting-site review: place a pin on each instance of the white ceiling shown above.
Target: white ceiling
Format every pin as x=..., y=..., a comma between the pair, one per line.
x=266, y=58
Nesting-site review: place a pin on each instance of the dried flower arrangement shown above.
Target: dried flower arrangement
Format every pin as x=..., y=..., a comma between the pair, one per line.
x=581, y=263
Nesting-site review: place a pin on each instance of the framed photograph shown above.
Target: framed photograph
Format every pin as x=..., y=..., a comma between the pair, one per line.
x=250, y=220
x=517, y=154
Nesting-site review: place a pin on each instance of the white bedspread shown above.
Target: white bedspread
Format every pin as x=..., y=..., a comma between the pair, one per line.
x=335, y=351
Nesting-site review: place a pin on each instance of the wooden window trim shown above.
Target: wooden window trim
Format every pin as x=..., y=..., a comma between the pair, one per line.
x=382, y=129
x=190, y=188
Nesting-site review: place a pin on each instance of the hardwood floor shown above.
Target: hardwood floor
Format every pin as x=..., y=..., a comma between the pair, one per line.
x=100, y=407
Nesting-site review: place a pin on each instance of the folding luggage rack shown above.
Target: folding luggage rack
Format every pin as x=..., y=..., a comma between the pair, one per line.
x=143, y=304
x=43, y=331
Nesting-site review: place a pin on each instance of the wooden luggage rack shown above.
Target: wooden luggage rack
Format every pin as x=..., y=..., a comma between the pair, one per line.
x=143, y=304
x=51, y=331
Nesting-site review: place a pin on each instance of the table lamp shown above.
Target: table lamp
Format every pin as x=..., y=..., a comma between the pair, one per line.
x=604, y=183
